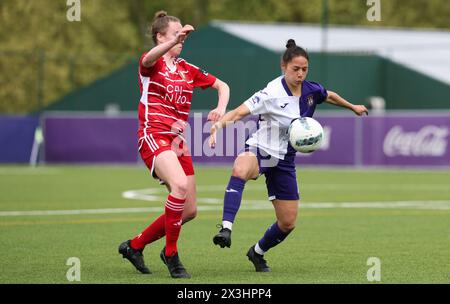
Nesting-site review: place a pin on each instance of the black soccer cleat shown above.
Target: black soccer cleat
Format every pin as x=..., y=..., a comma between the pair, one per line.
x=223, y=238
x=173, y=263
x=257, y=260
x=134, y=256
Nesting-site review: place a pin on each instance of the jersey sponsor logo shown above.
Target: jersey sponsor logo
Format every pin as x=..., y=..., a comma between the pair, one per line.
x=284, y=105
x=175, y=93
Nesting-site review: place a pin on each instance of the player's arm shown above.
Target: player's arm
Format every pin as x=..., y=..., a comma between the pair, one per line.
x=155, y=53
x=337, y=100
x=230, y=117
x=223, y=92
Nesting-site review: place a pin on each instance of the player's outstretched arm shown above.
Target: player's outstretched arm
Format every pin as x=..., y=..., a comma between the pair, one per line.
x=223, y=92
x=230, y=117
x=155, y=53
x=337, y=100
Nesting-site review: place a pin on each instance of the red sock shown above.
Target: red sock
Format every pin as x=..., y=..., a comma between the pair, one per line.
x=154, y=232
x=174, y=212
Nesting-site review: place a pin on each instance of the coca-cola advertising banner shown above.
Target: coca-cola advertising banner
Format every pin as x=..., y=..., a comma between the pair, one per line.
x=388, y=140
x=403, y=140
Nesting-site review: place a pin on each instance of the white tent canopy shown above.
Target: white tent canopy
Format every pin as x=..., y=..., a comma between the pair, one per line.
x=426, y=51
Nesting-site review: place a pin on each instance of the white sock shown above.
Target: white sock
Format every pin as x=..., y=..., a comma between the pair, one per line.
x=258, y=249
x=227, y=224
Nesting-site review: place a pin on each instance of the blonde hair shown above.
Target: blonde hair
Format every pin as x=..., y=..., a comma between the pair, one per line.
x=160, y=24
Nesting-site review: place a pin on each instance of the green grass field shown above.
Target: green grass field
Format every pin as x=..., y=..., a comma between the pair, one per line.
x=346, y=217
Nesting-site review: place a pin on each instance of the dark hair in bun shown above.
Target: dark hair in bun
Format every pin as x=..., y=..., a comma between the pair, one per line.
x=290, y=43
x=292, y=51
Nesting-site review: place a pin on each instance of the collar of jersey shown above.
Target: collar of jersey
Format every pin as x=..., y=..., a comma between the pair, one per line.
x=286, y=88
x=174, y=66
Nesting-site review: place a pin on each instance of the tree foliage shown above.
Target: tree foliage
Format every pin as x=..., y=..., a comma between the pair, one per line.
x=44, y=56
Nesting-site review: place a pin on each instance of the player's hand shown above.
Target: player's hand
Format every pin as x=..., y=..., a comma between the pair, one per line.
x=215, y=114
x=213, y=135
x=183, y=33
x=178, y=127
x=360, y=110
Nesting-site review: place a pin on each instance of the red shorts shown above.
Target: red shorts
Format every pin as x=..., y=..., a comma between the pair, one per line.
x=152, y=145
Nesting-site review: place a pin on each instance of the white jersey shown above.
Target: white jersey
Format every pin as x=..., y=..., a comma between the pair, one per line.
x=277, y=107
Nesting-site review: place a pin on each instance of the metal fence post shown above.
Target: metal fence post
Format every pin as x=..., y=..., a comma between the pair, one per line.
x=40, y=79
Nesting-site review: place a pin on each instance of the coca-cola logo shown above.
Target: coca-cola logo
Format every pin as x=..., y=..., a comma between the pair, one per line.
x=430, y=140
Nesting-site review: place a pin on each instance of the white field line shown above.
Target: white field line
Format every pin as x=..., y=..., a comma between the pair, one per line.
x=150, y=195
x=216, y=204
x=344, y=187
x=261, y=205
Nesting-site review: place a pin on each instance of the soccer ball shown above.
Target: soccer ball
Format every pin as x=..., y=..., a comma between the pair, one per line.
x=305, y=134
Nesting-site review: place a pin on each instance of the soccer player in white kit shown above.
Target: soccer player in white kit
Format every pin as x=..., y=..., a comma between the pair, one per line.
x=268, y=150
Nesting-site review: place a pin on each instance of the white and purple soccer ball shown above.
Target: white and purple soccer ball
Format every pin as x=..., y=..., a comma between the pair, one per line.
x=305, y=134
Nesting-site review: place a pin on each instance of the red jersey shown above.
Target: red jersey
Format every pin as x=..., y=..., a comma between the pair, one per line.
x=166, y=95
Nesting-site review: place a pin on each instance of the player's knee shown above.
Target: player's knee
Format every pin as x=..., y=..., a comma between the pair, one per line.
x=179, y=187
x=286, y=225
x=240, y=171
x=189, y=215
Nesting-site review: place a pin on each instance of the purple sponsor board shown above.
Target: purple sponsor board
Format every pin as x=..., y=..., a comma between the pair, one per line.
x=230, y=141
x=90, y=139
x=391, y=140
x=16, y=138
x=338, y=145
x=406, y=141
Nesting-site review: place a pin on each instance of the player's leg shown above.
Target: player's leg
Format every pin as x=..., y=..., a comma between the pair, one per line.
x=190, y=206
x=169, y=169
x=132, y=249
x=286, y=212
x=157, y=229
x=245, y=168
x=283, y=191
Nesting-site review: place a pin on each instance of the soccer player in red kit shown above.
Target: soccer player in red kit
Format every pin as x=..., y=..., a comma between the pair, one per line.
x=167, y=83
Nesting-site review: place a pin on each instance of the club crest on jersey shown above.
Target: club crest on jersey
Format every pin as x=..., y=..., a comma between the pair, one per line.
x=163, y=143
x=310, y=100
x=182, y=76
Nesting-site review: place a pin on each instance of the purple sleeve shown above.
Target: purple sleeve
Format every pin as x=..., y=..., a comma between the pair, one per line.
x=322, y=93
